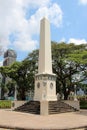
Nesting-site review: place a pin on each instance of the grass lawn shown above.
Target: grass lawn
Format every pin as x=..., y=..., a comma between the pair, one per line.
x=5, y=104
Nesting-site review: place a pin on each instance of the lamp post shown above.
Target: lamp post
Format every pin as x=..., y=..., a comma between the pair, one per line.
x=15, y=93
x=76, y=80
x=0, y=88
x=75, y=96
x=0, y=92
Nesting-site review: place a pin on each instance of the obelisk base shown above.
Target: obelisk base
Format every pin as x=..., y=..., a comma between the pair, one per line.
x=45, y=87
x=44, y=104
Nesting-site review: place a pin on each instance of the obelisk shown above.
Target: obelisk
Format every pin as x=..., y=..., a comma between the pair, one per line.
x=45, y=62
x=45, y=80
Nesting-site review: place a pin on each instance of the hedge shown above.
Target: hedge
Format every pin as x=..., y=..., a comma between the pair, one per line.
x=5, y=104
x=83, y=104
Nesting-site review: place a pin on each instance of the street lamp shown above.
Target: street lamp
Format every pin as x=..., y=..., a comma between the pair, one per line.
x=75, y=96
x=15, y=93
x=0, y=87
x=0, y=92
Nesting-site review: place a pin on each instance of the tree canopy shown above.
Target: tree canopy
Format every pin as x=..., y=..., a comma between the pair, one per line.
x=68, y=60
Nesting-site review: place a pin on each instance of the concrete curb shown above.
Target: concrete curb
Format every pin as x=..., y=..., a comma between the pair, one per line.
x=19, y=128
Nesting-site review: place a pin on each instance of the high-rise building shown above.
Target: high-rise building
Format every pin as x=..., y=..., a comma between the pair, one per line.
x=9, y=57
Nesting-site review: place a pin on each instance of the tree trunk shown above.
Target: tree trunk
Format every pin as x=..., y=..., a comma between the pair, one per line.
x=22, y=94
x=65, y=92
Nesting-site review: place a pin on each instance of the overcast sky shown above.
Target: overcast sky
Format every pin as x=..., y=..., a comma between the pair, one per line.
x=20, y=21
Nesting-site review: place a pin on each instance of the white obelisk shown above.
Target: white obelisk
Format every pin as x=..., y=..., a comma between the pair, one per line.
x=45, y=80
x=45, y=62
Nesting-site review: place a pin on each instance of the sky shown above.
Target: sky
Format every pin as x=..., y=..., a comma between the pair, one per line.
x=20, y=23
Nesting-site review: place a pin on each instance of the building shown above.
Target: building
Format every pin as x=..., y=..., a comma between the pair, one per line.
x=9, y=57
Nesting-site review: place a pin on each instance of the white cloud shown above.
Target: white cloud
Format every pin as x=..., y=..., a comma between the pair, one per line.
x=62, y=40
x=26, y=45
x=83, y=2
x=13, y=21
x=1, y=63
x=77, y=41
x=35, y=3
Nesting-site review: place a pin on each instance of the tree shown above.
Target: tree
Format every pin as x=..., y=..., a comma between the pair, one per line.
x=23, y=73
x=68, y=60
x=10, y=72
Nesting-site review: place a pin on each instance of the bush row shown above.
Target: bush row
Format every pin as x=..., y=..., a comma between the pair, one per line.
x=83, y=104
x=5, y=104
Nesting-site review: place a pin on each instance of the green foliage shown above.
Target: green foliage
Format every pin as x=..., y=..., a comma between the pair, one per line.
x=5, y=104
x=83, y=104
x=68, y=60
x=79, y=56
x=22, y=73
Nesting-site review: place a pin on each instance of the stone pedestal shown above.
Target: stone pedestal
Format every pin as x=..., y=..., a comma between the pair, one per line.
x=44, y=108
x=45, y=87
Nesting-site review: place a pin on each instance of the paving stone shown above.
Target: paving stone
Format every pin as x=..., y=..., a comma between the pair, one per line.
x=64, y=121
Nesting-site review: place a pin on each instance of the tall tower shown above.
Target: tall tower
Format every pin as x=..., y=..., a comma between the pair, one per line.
x=45, y=80
x=9, y=57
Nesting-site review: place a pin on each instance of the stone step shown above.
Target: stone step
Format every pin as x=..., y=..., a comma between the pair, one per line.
x=59, y=107
x=54, y=107
x=30, y=107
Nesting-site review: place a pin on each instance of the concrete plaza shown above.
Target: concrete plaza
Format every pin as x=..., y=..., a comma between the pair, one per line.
x=25, y=121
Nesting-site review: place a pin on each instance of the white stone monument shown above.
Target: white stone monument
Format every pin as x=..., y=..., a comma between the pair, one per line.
x=45, y=80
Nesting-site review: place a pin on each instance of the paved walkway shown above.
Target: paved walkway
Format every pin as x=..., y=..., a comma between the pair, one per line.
x=24, y=121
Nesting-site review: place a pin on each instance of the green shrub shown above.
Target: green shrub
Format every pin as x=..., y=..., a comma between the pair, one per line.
x=83, y=104
x=5, y=104
x=80, y=98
